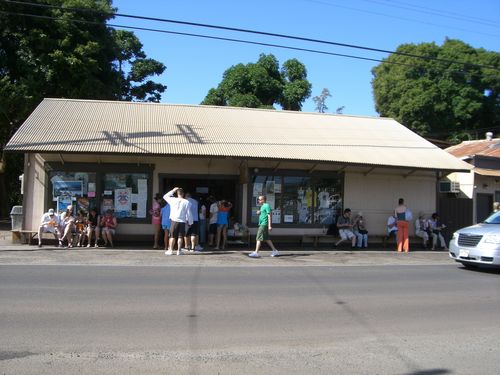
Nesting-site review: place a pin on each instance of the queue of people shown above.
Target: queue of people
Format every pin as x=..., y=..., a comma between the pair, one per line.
x=183, y=220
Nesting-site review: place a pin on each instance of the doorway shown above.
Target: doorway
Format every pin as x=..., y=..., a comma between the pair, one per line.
x=484, y=206
x=201, y=187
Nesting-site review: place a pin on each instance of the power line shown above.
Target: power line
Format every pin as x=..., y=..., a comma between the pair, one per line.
x=226, y=28
x=440, y=13
x=242, y=41
x=322, y=2
x=209, y=37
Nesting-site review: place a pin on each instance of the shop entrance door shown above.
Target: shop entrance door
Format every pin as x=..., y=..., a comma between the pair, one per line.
x=223, y=187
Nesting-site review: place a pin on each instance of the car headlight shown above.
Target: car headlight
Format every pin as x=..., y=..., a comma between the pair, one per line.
x=455, y=235
x=492, y=238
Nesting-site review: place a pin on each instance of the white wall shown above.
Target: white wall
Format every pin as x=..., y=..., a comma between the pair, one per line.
x=375, y=194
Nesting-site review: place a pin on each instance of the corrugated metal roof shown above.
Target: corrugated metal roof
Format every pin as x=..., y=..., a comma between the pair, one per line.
x=104, y=127
x=487, y=172
x=480, y=147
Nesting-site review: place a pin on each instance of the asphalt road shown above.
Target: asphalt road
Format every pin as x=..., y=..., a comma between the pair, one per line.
x=417, y=319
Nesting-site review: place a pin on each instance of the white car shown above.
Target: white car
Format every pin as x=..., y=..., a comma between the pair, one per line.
x=478, y=245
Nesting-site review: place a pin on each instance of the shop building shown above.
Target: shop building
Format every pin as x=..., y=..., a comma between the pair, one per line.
x=310, y=165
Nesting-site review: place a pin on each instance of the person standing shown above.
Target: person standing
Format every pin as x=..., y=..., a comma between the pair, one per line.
x=222, y=223
x=180, y=216
x=156, y=219
x=403, y=216
x=265, y=226
x=212, y=221
x=203, y=221
x=192, y=233
x=165, y=223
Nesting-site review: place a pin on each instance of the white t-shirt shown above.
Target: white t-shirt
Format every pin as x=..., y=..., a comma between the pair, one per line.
x=179, y=208
x=213, y=213
x=390, y=221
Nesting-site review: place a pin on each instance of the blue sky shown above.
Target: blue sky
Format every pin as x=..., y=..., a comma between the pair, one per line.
x=195, y=65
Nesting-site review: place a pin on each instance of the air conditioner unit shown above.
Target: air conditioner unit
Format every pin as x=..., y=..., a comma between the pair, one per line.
x=449, y=187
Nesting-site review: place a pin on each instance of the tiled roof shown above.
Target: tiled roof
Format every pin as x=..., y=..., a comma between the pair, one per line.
x=106, y=127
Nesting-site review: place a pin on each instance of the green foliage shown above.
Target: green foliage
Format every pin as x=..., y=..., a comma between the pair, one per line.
x=437, y=98
x=262, y=85
x=320, y=100
x=65, y=53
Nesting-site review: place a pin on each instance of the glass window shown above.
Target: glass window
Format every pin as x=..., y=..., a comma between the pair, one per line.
x=126, y=194
x=73, y=188
x=300, y=200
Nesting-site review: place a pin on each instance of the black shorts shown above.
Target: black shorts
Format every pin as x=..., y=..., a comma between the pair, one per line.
x=177, y=229
x=194, y=229
x=212, y=229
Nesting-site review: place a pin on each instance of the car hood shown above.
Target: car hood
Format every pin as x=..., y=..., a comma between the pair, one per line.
x=481, y=229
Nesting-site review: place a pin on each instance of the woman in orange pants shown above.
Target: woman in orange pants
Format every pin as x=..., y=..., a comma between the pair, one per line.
x=401, y=213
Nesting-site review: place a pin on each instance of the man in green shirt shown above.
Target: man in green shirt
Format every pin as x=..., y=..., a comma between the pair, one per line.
x=265, y=226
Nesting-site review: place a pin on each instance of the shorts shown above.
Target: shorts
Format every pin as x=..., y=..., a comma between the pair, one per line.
x=49, y=229
x=212, y=229
x=346, y=234
x=193, y=230
x=156, y=220
x=262, y=233
x=166, y=227
x=108, y=230
x=177, y=229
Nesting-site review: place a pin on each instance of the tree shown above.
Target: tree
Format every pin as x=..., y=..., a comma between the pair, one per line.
x=262, y=85
x=320, y=100
x=453, y=93
x=66, y=51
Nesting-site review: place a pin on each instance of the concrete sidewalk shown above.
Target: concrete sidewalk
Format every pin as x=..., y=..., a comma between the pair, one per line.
x=236, y=256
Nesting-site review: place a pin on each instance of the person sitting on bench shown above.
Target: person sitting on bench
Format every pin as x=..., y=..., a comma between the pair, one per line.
x=49, y=224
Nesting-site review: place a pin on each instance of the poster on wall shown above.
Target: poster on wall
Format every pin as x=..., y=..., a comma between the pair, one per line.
x=71, y=188
x=257, y=189
x=63, y=201
x=107, y=204
x=270, y=187
x=123, y=202
x=276, y=216
x=271, y=201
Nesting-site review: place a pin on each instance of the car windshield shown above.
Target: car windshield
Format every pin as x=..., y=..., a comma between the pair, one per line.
x=494, y=218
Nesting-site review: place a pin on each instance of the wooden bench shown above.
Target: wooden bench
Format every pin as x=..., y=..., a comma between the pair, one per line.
x=24, y=236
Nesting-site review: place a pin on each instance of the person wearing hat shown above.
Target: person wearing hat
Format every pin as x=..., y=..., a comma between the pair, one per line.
x=48, y=224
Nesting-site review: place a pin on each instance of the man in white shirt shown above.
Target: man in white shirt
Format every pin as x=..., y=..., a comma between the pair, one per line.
x=48, y=224
x=180, y=216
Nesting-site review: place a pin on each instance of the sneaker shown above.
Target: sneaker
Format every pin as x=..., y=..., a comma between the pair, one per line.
x=215, y=248
x=39, y=245
x=275, y=253
x=96, y=245
x=254, y=255
x=169, y=252
x=180, y=252
x=88, y=245
x=198, y=248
